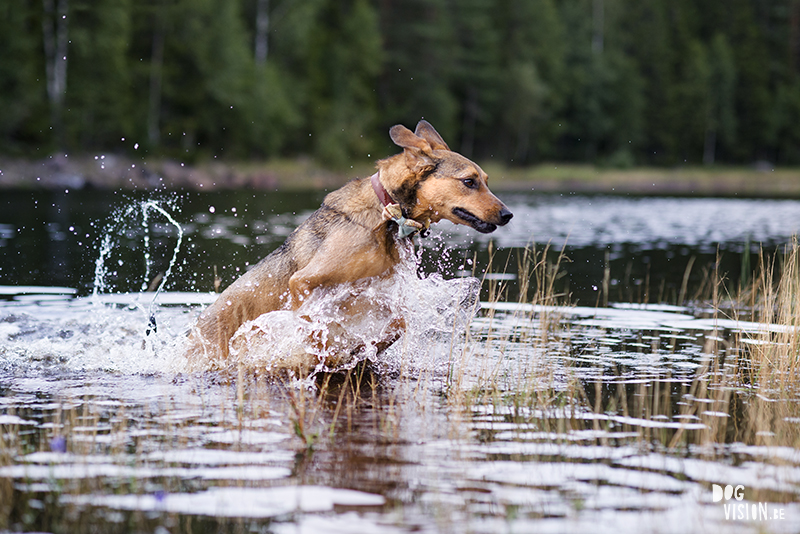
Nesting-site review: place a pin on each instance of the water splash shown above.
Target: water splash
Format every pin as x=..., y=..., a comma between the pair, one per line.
x=147, y=261
x=100, y=269
x=338, y=327
x=151, y=205
x=123, y=221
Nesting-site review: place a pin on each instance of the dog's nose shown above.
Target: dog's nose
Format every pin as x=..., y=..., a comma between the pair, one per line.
x=505, y=216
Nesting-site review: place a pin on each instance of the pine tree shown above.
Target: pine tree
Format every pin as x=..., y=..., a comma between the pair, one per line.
x=605, y=92
x=720, y=115
x=477, y=71
x=533, y=86
x=343, y=65
x=22, y=101
x=98, y=110
x=752, y=99
x=420, y=52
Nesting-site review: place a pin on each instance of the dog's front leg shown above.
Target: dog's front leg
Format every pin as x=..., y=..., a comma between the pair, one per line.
x=328, y=268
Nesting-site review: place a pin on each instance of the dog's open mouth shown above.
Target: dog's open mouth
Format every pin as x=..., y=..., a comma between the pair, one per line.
x=480, y=225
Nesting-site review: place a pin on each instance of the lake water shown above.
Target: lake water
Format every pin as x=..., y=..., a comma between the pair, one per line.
x=526, y=417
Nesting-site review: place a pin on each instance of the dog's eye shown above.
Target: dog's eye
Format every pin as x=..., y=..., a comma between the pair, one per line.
x=470, y=183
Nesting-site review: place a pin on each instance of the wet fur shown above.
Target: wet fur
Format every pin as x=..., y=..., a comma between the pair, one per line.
x=347, y=238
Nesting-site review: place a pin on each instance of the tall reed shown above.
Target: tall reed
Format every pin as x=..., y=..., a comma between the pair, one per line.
x=745, y=388
x=774, y=298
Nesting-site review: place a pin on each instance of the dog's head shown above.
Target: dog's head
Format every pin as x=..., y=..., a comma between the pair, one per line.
x=431, y=182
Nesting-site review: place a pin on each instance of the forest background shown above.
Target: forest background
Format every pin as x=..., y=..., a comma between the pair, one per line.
x=607, y=82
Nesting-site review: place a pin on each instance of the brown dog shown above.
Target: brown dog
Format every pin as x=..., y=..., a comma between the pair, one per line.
x=355, y=234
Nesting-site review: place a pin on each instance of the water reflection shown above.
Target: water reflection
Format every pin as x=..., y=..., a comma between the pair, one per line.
x=583, y=221
x=540, y=418
x=568, y=419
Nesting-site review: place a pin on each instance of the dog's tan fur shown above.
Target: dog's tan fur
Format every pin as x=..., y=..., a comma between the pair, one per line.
x=348, y=239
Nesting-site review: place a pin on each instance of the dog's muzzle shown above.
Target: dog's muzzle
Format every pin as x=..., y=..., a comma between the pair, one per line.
x=479, y=224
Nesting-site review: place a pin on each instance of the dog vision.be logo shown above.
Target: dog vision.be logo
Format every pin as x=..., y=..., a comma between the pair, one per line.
x=745, y=511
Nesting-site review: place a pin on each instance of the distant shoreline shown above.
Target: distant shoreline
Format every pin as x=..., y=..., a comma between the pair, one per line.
x=116, y=172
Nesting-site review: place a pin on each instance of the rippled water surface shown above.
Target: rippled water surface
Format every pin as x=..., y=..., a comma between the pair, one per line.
x=522, y=418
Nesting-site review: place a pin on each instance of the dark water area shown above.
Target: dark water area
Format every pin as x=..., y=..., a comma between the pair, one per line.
x=643, y=245
x=54, y=238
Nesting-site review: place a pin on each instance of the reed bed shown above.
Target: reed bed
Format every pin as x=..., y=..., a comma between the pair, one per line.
x=743, y=390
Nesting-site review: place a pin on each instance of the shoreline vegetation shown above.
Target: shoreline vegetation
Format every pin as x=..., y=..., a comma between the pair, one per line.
x=117, y=172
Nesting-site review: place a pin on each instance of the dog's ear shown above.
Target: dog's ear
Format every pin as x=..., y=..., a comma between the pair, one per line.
x=426, y=131
x=403, y=137
x=417, y=150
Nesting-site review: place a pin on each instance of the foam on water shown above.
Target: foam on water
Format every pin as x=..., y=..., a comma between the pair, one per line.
x=90, y=334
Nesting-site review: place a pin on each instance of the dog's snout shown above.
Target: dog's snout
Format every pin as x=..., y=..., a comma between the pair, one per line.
x=505, y=216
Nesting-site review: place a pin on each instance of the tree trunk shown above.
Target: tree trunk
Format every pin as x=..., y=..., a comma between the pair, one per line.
x=598, y=23
x=262, y=31
x=156, y=74
x=794, y=36
x=523, y=142
x=710, y=146
x=54, y=32
x=471, y=108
